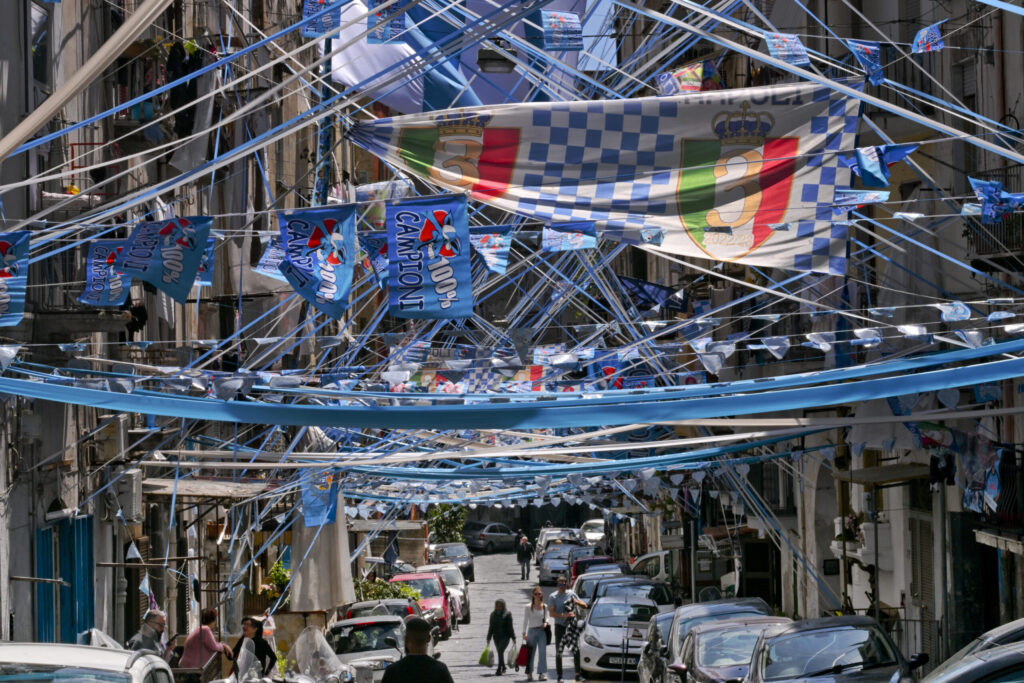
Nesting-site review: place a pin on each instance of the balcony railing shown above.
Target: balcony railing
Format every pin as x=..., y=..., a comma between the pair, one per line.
x=1006, y=237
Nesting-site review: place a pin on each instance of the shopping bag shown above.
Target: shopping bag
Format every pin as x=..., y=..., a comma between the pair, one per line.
x=510, y=658
x=524, y=656
x=487, y=656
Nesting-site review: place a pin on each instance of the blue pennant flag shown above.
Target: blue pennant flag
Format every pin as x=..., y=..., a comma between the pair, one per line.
x=492, y=243
x=385, y=23
x=375, y=248
x=568, y=237
x=650, y=295
x=788, y=48
x=104, y=285
x=996, y=204
x=555, y=30
x=13, y=276
x=928, y=39
x=872, y=163
x=204, y=276
x=428, y=268
x=846, y=199
x=869, y=54
x=270, y=262
x=325, y=23
x=319, y=501
x=319, y=245
x=166, y=254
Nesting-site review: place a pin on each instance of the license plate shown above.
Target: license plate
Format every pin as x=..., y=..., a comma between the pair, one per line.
x=618, y=660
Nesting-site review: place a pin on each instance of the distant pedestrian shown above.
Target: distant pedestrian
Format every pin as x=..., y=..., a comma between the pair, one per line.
x=252, y=629
x=501, y=631
x=535, y=619
x=524, y=553
x=561, y=607
x=151, y=634
x=201, y=645
x=417, y=666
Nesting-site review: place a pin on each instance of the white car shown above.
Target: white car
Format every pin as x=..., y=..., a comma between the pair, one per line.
x=455, y=582
x=593, y=531
x=554, y=563
x=614, y=634
x=45, y=662
x=370, y=642
x=549, y=534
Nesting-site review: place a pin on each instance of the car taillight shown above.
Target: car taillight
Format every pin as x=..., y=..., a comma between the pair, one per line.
x=348, y=615
x=408, y=608
x=482, y=537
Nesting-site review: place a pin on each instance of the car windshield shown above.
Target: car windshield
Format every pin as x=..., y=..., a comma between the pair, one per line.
x=686, y=624
x=558, y=552
x=44, y=673
x=365, y=637
x=591, y=527
x=427, y=588
x=586, y=587
x=616, y=614
x=456, y=550
x=664, y=626
x=396, y=608
x=453, y=577
x=656, y=592
x=728, y=647
x=809, y=652
x=473, y=526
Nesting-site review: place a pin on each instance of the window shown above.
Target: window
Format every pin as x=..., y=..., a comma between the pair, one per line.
x=40, y=28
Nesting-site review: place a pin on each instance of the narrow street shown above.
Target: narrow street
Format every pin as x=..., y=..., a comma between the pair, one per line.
x=497, y=576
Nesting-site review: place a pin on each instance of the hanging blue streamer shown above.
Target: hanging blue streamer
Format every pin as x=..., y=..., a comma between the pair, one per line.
x=375, y=247
x=104, y=285
x=788, y=48
x=166, y=254
x=319, y=501
x=204, y=276
x=928, y=39
x=271, y=259
x=319, y=245
x=326, y=22
x=13, y=276
x=568, y=237
x=429, y=273
x=869, y=55
x=385, y=23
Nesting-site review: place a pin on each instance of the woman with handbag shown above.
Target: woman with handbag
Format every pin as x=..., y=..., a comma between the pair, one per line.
x=535, y=628
x=501, y=631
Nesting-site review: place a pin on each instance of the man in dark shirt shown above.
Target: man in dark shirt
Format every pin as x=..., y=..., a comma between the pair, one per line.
x=417, y=666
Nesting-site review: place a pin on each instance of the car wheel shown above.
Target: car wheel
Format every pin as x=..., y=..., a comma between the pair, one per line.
x=447, y=633
x=465, y=619
x=490, y=547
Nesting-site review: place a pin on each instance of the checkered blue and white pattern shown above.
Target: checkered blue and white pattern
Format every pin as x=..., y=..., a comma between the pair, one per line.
x=619, y=163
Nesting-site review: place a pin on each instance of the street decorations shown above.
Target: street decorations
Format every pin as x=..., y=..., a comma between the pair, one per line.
x=166, y=254
x=104, y=285
x=319, y=247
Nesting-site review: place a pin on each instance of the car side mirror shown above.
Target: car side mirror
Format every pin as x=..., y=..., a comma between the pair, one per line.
x=679, y=670
x=917, y=660
x=391, y=642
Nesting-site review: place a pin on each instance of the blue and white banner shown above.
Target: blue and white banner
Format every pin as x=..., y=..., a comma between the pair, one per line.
x=386, y=23
x=166, y=254
x=325, y=23
x=555, y=30
x=428, y=267
x=204, y=276
x=319, y=501
x=928, y=39
x=788, y=48
x=869, y=55
x=320, y=248
x=568, y=237
x=492, y=244
x=104, y=285
x=375, y=249
x=270, y=262
x=13, y=276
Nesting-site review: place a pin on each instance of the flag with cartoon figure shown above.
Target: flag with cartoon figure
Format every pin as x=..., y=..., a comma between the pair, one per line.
x=13, y=276
x=319, y=247
x=166, y=254
x=428, y=258
x=568, y=237
x=492, y=243
x=104, y=285
x=204, y=277
x=375, y=248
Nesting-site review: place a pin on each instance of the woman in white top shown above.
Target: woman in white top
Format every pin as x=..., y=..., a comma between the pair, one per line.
x=534, y=621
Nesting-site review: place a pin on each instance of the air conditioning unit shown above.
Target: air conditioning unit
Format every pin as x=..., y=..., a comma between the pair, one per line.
x=112, y=439
x=129, y=495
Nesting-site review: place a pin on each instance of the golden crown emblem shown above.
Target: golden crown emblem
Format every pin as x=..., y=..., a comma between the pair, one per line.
x=743, y=127
x=457, y=124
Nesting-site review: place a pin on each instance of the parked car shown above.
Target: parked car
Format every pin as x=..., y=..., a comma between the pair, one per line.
x=398, y=607
x=651, y=668
x=593, y=531
x=457, y=554
x=833, y=649
x=45, y=662
x=720, y=651
x=632, y=587
x=489, y=536
x=580, y=551
x=1013, y=632
x=688, y=616
x=455, y=582
x=586, y=583
x=613, y=634
x=1000, y=664
x=433, y=598
x=582, y=565
x=553, y=564
x=549, y=534
x=371, y=642
x=384, y=569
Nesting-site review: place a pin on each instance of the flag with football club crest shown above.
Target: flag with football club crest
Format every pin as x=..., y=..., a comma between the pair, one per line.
x=713, y=170
x=319, y=246
x=13, y=276
x=104, y=285
x=428, y=266
x=166, y=254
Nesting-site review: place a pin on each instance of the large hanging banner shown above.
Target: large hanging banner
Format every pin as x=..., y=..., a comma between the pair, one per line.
x=104, y=285
x=13, y=276
x=320, y=248
x=428, y=265
x=166, y=254
x=712, y=169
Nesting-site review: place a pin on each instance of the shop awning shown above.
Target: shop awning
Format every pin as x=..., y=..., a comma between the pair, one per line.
x=205, y=488
x=997, y=540
x=885, y=474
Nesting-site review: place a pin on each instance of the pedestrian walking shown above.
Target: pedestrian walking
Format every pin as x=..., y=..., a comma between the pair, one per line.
x=561, y=607
x=524, y=553
x=501, y=631
x=417, y=666
x=201, y=645
x=252, y=629
x=150, y=634
x=535, y=620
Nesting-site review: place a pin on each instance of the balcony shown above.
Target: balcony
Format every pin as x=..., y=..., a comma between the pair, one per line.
x=1001, y=244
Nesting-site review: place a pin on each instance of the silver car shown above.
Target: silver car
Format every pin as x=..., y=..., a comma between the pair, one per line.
x=553, y=564
x=370, y=642
x=488, y=536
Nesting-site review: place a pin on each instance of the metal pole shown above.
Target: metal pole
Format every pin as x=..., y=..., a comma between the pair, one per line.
x=874, y=506
x=944, y=642
x=693, y=561
x=325, y=136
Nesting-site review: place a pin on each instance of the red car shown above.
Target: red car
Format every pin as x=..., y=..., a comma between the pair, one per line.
x=580, y=566
x=433, y=597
